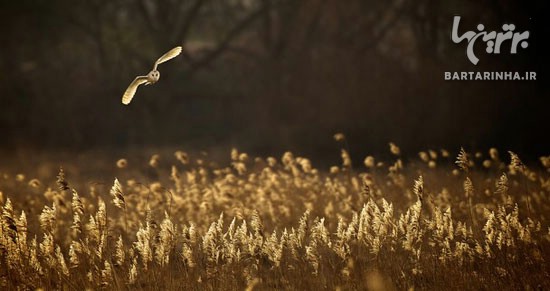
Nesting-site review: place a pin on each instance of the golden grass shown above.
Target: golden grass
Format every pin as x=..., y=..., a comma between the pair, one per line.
x=272, y=224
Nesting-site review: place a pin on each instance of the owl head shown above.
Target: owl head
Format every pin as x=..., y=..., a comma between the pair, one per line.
x=153, y=75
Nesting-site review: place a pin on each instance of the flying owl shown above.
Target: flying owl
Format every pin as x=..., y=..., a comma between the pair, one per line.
x=150, y=78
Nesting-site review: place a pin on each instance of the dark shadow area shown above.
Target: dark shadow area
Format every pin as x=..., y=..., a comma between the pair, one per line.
x=267, y=76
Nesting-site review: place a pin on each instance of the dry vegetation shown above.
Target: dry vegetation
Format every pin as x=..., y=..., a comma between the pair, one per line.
x=478, y=221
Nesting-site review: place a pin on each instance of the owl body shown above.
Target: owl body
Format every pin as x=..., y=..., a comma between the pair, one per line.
x=151, y=78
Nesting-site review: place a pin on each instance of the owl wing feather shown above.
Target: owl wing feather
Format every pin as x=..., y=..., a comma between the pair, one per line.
x=168, y=56
x=131, y=91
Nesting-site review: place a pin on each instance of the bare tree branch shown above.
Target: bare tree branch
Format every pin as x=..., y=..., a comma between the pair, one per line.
x=184, y=24
x=267, y=26
x=230, y=36
x=313, y=26
x=398, y=11
x=288, y=21
x=151, y=22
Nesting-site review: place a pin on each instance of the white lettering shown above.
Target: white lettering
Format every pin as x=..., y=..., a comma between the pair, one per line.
x=493, y=40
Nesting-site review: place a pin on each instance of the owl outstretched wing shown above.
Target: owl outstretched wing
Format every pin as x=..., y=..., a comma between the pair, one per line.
x=168, y=56
x=131, y=91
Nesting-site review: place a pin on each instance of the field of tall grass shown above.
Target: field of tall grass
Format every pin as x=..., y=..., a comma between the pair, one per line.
x=466, y=220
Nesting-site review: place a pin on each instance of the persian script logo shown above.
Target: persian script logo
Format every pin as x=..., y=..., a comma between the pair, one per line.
x=493, y=39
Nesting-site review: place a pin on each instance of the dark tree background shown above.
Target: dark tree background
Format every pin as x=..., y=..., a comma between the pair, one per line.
x=267, y=75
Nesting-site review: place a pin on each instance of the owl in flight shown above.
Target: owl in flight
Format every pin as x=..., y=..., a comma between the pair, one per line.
x=151, y=78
